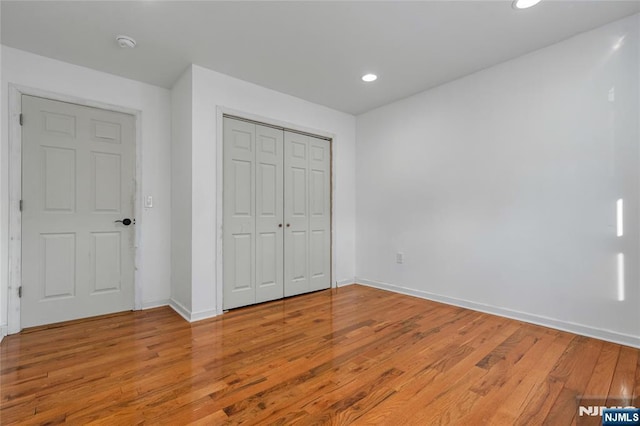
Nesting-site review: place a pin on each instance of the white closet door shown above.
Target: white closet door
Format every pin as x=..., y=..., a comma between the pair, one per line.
x=277, y=214
x=269, y=214
x=319, y=214
x=307, y=214
x=239, y=228
x=296, y=214
x=78, y=167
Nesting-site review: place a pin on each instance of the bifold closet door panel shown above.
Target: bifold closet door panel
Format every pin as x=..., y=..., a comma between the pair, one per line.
x=239, y=228
x=319, y=214
x=269, y=214
x=296, y=214
x=306, y=213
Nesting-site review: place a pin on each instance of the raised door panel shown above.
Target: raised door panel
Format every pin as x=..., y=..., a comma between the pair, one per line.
x=267, y=195
x=267, y=274
x=59, y=179
x=107, y=265
x=298, y=194
x=104, y=131
x=241, y=188
x=299, y=269
x=58, y=124
x=242, y=258
x=316, y=248
x=58, y=265
x=107, y=185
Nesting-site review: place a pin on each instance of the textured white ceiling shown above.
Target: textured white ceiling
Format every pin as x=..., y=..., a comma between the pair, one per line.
x=313, y=50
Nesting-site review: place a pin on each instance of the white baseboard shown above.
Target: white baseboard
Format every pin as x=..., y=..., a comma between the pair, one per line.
x=191, y=316
x=201, y=315
x=180, y=309
x=156, y=304
x=4, y=330
x=584, y=330
x=348, y=281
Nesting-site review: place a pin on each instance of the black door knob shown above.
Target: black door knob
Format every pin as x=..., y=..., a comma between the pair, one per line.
x=126, y=221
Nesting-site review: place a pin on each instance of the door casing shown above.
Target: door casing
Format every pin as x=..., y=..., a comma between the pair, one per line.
x=221, y=111
x=15, y=192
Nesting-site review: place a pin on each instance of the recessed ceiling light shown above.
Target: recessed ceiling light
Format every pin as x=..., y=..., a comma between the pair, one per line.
x=125, y=42
x=525, y=4
x=369, y=78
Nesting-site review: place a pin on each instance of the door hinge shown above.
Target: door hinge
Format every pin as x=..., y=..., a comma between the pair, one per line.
x=21, y=119
x=20, y=205
x=20, y=291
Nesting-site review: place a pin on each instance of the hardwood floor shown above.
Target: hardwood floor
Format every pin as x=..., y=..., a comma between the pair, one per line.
x=354, y=355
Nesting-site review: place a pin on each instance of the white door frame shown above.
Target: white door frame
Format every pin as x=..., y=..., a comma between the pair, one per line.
x=220, y=111
x=15, y=191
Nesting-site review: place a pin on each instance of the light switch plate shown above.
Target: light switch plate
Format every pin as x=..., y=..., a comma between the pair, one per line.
x=148, y=201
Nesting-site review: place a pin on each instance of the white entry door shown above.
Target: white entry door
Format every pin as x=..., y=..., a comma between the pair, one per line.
x=78, y=188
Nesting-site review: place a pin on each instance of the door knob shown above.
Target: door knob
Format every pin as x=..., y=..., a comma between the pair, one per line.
x=279, y=225
x=126, y=221
x=288, y=225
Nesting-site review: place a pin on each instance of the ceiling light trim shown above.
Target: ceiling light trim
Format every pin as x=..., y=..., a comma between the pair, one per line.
x=524, y=4
x=369, y=78
x=125, y=42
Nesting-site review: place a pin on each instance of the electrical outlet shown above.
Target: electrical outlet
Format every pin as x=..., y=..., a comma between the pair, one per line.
x=399, y=257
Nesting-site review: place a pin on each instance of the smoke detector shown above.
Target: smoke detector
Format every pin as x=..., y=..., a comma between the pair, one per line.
x=126, y=42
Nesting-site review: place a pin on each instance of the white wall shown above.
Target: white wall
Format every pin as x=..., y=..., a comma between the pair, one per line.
x=212, y=90
x=42, y=73
x=181, y=173
x=500, y=188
